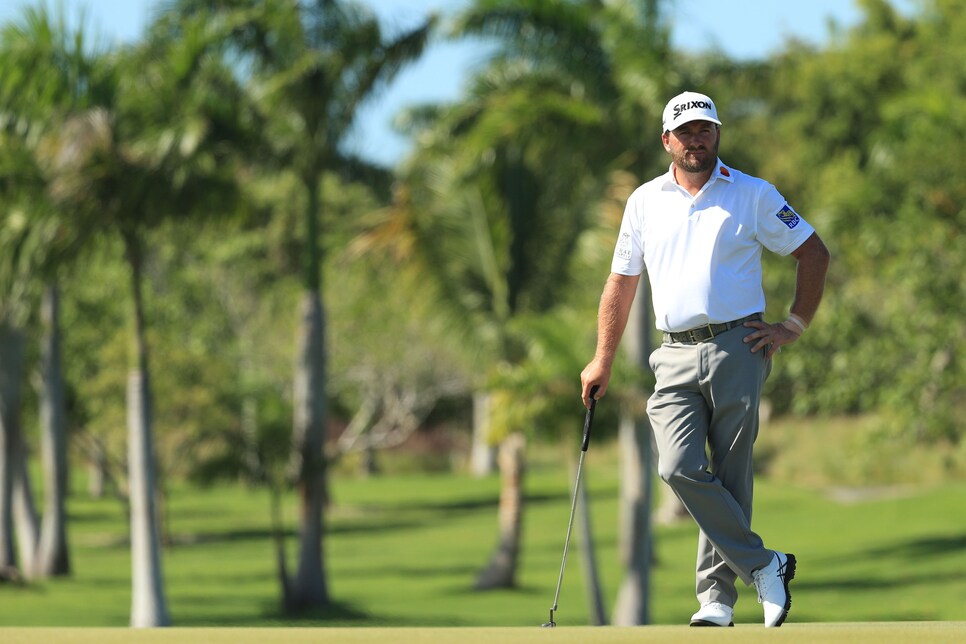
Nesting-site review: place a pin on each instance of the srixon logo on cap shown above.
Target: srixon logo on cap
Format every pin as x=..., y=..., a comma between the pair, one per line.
x=690, y=105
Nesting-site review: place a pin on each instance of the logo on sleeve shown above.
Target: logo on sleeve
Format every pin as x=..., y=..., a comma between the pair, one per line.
x=624, y=247
x=788, y=216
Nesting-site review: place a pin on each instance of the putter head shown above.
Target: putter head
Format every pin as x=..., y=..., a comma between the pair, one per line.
x=551, y=623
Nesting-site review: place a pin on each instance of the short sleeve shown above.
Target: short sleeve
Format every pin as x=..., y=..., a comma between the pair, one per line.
x=629, y=251
x=780, y=229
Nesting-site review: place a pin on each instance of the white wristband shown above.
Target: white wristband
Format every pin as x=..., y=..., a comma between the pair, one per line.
x=800, y=320
x=797, y=321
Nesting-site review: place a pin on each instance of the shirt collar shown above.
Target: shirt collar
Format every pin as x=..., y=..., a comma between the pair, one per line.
x=721, y=171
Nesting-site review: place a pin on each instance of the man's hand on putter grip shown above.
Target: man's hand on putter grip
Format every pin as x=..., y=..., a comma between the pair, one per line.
x=768, y=336
x=594, y=375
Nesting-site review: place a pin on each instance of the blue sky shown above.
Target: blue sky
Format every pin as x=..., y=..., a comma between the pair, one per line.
x=756, y=29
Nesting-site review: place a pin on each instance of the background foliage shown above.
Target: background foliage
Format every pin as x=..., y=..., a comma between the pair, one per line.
x=476, y=264
x=856, y=135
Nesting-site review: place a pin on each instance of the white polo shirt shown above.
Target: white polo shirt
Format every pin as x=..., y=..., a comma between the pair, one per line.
x=703, y=253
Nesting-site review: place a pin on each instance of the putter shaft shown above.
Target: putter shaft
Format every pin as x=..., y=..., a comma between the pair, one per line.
x=588, y=419
x=570, y=526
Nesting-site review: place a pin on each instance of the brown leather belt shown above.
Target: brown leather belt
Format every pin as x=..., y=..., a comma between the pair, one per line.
x=708, y=331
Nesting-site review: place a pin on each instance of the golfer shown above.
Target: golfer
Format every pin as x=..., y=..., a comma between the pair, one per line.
x=699, y=230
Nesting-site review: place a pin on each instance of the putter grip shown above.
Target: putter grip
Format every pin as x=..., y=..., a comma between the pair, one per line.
x=589, y=418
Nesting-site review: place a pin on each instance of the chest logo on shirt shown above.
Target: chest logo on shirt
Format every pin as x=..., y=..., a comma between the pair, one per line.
x=788, y=216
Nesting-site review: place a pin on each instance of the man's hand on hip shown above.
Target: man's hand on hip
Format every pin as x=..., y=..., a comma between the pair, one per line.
x=770, y=337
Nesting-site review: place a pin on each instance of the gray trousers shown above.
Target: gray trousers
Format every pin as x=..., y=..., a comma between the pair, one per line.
x=705, y=402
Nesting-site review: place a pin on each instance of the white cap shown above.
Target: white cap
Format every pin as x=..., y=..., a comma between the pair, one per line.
x=687, y=107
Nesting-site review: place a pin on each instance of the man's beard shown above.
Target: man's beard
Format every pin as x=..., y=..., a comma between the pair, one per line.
x=697, y=165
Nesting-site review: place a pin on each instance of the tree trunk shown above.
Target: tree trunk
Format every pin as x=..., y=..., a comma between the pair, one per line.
x=369, y=463
x=502, y=569
x=53, y=558
x=278, y=539
x=148, y=605
x=635, y=511
x=635, y=537
x=482, y=452
x=11, y=372
x=671, y=509
x=309, y=588
x=25, y=519
x=595, y=597
x=96, y=469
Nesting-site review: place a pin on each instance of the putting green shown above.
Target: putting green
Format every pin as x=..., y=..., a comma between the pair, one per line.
x=860, y=633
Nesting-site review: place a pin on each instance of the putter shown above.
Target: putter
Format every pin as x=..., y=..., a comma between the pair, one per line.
x=573, y=506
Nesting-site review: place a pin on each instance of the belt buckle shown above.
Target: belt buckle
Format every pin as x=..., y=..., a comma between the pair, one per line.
x=710, y=331
x=692, y=337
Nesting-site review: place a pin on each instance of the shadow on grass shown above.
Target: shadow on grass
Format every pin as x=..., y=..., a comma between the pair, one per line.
x=520, y=590
x=472, y=505
x=262, y=534
x=923, y=547
x=405, y=572
x=855, y=583
x=915, y=549
x=437, y=511
x=98, y=516
x=336, y=613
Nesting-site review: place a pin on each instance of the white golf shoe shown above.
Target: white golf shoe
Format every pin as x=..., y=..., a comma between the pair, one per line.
x=772, y=584
x=713, y=614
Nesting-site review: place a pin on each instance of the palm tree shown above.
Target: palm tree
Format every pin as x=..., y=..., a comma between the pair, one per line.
x=537, y=392
x=46, y=72
x=311, y=66
x=30, y=242
x=153, y=148
x=612, y=53
x=18, y=243
x=17, y=169
x=490, y=212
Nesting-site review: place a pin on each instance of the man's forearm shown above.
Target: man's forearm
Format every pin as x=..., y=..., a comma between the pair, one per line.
x=813, y=260
x=612, y=315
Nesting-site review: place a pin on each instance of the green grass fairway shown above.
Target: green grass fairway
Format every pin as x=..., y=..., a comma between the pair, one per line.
x=868, y=633
x=403, y=552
